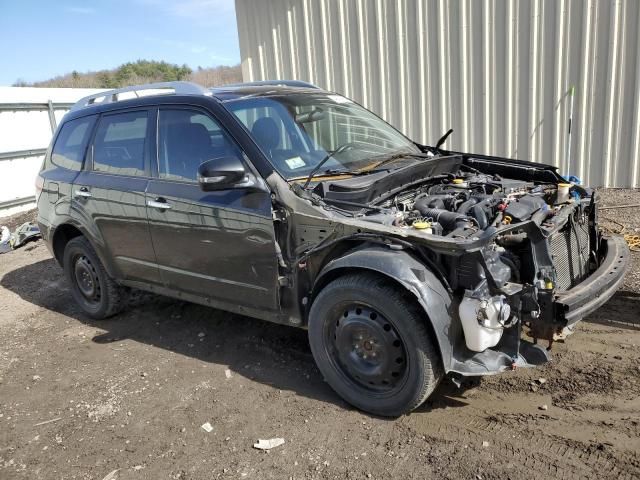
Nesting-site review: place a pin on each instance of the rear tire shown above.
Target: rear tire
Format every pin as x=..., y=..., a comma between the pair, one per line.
x=96, y=293
x=372, y=344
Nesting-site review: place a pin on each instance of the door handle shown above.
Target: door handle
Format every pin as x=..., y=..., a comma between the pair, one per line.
x=159, y=203
x=82, y=192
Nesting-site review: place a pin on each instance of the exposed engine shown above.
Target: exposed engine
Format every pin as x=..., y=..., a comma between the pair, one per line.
x=463, y=204
x=532, y=235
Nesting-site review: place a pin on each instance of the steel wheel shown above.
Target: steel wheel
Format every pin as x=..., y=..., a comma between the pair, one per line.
x=367, y=349
x=93, y=289
x=372, y=345
x=87, y=279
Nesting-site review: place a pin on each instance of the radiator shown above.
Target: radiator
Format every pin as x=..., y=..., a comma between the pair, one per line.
x=570, y=252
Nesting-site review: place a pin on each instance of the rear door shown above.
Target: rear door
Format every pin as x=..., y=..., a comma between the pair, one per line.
x=60, y=170
x=219, y=245
x=109, y=195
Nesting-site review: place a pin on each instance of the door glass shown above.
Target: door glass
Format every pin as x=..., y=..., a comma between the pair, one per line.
x=68, y=151
x=186, y=139
x=119, y=144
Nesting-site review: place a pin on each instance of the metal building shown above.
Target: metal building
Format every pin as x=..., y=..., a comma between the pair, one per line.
x=500, y=72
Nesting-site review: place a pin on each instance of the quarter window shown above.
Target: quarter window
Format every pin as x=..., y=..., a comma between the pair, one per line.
x=119, y=144
x=186, y=139
x=68, y=151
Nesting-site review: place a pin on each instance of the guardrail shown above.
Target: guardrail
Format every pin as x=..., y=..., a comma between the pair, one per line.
x=50, y=107
x=32, y=152
x=18, y=202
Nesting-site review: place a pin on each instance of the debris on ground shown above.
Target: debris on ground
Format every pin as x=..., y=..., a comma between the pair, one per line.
x=544, y=407
x=48, y=421
x=632, y=239
x=5, y=236
x=26, y=232
x=112, y=475
x=207, y=427
x=227, y=373
x=268, y=444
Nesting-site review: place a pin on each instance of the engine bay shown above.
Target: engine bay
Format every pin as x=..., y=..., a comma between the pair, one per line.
x=453, y=196
x=461, y=204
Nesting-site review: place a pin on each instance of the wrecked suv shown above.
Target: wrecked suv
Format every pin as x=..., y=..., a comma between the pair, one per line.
x=281, y=201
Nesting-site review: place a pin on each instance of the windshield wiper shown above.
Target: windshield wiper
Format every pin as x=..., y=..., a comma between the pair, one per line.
x=340, y=149
x=396, y=156
x=443, y=139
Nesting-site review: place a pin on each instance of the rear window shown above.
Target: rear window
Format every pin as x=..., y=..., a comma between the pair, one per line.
x=119, y=144
x=71, y=144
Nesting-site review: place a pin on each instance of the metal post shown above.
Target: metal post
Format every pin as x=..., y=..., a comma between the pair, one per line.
x=52, y=116
x=572, y=91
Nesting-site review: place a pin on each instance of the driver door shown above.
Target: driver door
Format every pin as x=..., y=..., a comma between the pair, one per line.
x=221, y=244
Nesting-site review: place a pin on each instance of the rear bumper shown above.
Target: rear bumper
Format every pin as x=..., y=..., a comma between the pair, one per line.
x=576, y=303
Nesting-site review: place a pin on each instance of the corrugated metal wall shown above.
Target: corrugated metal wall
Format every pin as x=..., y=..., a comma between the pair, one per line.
x=498, y=72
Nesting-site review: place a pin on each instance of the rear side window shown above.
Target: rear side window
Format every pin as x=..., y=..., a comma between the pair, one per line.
x=71, y=144
x=119, y=144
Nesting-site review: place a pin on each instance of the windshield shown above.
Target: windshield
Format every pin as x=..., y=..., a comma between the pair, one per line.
x=297, y=132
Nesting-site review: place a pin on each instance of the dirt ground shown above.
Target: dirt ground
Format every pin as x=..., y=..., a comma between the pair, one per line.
x=126, y=398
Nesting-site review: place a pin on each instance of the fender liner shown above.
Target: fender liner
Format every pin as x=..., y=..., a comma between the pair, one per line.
x=413, y=275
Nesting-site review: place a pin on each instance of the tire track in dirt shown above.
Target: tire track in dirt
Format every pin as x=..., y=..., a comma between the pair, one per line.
x=535, y=452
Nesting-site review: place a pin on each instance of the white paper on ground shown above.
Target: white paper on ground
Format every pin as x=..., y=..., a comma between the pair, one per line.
x=268, y=444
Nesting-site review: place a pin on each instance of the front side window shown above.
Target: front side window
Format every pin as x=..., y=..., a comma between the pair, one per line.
x=298, y=131
x=119, y=144
x=68, y=151
x=186, y=139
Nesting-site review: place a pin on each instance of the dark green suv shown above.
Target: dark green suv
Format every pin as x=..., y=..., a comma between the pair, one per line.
x=284, y=202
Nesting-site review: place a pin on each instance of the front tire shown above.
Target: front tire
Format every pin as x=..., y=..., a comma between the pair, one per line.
x=371, y=343
x=96, y=293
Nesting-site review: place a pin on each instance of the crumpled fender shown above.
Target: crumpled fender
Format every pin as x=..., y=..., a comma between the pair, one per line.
x=415, y=277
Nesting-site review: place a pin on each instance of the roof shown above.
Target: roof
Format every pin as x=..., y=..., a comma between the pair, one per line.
x=232, y=92
x=224, y=92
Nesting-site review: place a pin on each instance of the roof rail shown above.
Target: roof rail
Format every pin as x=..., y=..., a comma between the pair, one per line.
x=266, y=83
x=110, y=96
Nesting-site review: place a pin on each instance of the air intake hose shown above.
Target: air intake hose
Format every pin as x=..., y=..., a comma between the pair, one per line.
x=448, y=220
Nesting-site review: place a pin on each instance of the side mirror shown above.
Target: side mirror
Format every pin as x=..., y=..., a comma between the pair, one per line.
x=223, y=173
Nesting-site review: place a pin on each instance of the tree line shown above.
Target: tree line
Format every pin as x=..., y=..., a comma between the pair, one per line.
x=139, y=72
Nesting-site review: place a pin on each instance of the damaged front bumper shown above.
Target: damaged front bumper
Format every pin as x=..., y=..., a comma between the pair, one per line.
x=566, y=309
x=573, y=305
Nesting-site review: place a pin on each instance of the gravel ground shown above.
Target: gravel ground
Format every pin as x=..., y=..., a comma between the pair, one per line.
x=81, y=399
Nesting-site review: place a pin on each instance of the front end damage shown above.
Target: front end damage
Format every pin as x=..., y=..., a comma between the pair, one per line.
x=504, y=256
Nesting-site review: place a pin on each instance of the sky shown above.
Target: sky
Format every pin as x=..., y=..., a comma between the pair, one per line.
x=42, y=39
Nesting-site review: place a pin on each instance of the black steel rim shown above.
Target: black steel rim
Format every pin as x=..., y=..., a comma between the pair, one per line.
x=367, y=349
x=87, y=279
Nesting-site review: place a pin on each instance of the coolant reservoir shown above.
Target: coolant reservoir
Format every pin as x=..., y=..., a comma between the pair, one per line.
x=563, y=193
x=482, y=321
x=424, y=226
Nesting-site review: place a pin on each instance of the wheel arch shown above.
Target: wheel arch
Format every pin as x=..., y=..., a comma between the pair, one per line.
x=67, y=231
x=61, y=236
x=408, y=273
